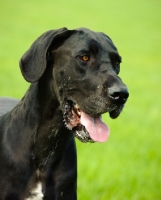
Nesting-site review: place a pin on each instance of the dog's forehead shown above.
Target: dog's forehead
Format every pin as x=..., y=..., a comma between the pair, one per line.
x=84, y=38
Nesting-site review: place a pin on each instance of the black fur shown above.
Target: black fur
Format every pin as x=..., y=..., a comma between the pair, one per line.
x=35, y=145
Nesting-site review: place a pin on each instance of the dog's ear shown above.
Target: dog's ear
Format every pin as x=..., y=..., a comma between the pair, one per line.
x=33, y=62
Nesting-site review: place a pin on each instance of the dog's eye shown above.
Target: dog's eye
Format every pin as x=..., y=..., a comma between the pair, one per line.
x=84, y=58
x=117, y=63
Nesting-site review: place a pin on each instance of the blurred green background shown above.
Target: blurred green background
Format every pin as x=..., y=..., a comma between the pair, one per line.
x=128, y=165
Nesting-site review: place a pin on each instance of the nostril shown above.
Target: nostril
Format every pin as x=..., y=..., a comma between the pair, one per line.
x=126, y=95
x=119, y=96
x=115, y=95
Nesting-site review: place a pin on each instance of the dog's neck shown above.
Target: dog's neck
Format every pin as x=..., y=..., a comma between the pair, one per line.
x=42, y=101
x=43, y=120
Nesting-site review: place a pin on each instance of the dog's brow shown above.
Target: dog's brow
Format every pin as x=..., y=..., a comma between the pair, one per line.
x=92, y=46
x=93, y=42
x=115, y=56
x=83, y=51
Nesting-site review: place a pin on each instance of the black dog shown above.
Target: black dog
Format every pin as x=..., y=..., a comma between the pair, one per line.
x=74, y=79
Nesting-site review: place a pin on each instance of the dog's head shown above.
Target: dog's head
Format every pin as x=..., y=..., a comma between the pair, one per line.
x=85, y=78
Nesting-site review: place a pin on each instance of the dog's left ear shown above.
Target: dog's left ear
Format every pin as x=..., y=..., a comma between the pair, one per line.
x=33, y=62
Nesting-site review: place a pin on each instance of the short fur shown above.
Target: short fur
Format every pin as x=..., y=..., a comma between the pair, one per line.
x=35, y=145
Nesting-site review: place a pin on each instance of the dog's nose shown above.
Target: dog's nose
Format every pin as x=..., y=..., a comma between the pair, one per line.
x=118, y=94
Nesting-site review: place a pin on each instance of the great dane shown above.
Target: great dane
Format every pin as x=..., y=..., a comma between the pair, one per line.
x=74, y=80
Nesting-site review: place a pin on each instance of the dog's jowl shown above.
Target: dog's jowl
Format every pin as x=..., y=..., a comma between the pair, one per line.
x=74, y=80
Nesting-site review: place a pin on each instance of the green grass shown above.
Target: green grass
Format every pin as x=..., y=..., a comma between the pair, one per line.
x=127, y=167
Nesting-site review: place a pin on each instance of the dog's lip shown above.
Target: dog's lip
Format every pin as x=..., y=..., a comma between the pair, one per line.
x=116, y=112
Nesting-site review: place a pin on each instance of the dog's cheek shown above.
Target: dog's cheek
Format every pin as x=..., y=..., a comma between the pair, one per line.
x=61, y=82
x=57, y=83
x=79, y=70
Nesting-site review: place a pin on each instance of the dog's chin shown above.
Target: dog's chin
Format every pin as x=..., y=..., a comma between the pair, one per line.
x=85, y=127
x=116, y=112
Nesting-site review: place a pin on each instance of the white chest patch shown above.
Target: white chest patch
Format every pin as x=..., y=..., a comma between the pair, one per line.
x=37, y=193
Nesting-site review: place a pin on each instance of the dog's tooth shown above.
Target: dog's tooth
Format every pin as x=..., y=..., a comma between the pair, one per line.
x=79, y=113
x=76, y=106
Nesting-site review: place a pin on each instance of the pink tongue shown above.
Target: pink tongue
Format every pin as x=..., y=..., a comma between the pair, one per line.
x=97, y=130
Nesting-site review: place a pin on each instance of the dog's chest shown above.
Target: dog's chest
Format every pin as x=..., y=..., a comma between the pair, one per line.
x=36, y=193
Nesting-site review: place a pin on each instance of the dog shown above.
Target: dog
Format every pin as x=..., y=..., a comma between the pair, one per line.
x=74, y=80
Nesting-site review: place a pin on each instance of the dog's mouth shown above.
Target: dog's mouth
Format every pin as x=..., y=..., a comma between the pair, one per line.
x=85, y=127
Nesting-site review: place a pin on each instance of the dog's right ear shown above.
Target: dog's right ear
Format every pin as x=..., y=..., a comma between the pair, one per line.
x=33, y=62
